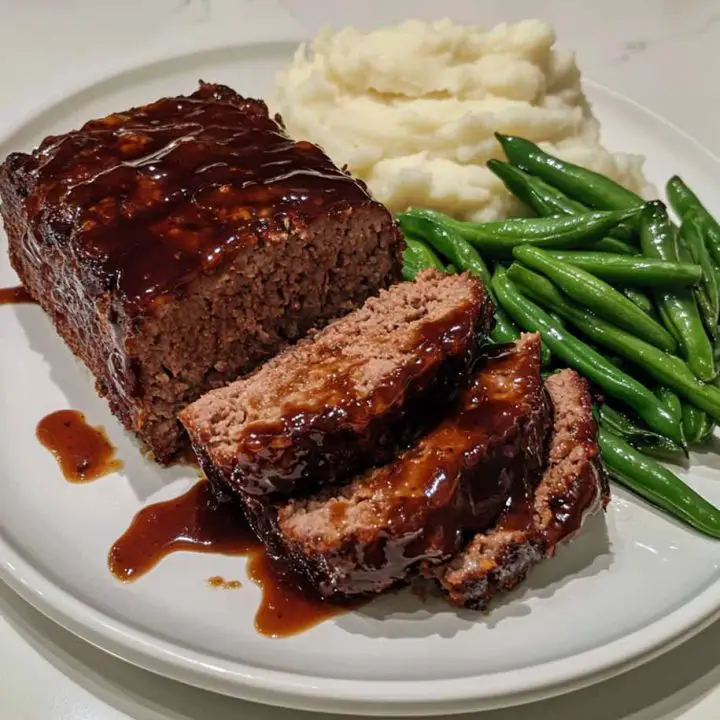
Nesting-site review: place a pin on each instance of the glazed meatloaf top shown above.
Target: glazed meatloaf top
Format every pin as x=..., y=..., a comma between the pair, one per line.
x=146, y=200
x=368, y=534
x=318, y=409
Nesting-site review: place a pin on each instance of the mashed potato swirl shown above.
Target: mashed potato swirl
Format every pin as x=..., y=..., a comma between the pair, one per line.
x=412, y=110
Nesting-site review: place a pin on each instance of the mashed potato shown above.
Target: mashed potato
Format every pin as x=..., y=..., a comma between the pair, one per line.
x=412, y=110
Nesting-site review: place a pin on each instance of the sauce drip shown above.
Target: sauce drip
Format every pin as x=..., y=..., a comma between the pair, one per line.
x=196, y=521
x=83, y=452
x=287, y=609
x=15, y=296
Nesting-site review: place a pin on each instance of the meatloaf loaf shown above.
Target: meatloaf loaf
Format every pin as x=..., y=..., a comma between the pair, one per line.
x=346, y=397
x=177, y=245
x=373, y=532
x=573, y=486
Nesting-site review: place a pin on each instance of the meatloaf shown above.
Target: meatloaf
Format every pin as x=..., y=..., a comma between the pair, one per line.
x=373, y=532
x=573, y=486
x=179, y=244
x=348, y=396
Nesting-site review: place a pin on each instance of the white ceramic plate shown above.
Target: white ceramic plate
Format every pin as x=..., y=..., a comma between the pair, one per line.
x=631, y=586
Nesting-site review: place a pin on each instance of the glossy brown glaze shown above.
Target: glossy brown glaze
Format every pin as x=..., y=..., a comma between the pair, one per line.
x=537, y=516
x=457, y=479
x=583, y=493
x=194, y=521
x=83, y=452
x=150, y=198
x=286, y=608
x=197, y=522
x=337, y=429
x=15, y=296
x=419, y=509
x=518, y=511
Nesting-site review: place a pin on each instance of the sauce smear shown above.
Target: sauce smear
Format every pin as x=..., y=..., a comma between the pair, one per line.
x=196, y=521
x=15, y=296
x=286, y=609
x=83, y=452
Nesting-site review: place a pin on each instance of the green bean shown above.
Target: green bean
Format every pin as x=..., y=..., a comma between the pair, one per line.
x=684, y=201
x=499, y=238
x=578, y=355
x=423, y=255
x=640, y=300
x=444, y=240
x=597, y=295
x=707, y=294
x=711, y=235
x=647, y=441
x=617, y=361
x=694, y=423
x=634, y=271
x=666, y=369
x=409, y=271
x=617, y=422
x=505, y=334
x=667, y=322
x=657, y=239
x=418, y=256
x=547, y=200
x=707, y=429
x=671, y=401
x=686, y=204
x=464, y=256
x=657, y=484
x=507, y=331
x=412, y=265
x=579, y=183
x=614, y=245
x=557, y=319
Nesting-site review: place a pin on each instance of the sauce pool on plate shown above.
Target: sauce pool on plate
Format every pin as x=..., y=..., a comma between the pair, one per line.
x=197, y=521
x=83, y=452
x=286, y=609
x=15, y=296
x=194, y=521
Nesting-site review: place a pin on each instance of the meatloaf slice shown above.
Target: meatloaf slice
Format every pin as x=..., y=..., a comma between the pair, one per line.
x=373, y=532
x=346, y=397
x=177, y=245
x=573, y=486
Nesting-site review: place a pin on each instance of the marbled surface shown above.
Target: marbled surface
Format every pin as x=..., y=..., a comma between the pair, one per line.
x=662, y=53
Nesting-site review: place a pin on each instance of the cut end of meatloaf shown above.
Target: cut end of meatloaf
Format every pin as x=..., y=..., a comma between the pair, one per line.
x=178, y=245
x=573, y=486
x=347, y=396
x=418, y=509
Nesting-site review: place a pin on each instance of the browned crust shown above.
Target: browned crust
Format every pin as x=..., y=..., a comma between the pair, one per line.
x=574, y=482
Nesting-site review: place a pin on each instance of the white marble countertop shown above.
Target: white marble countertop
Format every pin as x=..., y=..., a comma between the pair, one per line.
x=662, y=53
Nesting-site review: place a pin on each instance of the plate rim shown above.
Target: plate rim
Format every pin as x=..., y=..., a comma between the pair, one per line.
x=294, y=690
